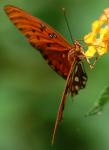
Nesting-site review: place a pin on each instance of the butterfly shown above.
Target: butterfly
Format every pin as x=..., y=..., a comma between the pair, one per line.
x=64, y=58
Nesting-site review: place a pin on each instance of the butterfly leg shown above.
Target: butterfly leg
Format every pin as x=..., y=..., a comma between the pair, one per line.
x=96, y=58
x=88, y=61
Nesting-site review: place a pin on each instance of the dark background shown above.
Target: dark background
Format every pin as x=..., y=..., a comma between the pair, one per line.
x=30, y=91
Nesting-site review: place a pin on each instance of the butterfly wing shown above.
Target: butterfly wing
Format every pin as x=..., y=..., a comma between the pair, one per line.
x=50, y=43
x=78, y=80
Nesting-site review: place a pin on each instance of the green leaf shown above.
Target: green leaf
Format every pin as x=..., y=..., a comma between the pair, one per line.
x=99, y=105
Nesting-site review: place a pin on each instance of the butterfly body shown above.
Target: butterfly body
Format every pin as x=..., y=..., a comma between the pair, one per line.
x=64, y=58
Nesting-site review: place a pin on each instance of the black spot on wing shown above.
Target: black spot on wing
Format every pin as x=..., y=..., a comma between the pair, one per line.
x=48, y=44
x=33, y=30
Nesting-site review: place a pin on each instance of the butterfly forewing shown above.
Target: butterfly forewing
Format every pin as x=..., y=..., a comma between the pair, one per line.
x=51, y=44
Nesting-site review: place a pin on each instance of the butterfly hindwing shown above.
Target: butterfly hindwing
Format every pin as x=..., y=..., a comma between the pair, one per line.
x=79, y=79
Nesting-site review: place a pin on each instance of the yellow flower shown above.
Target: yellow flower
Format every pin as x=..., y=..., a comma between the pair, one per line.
x=96, y=26
x=106, y=35
x=98, y=39
x=103, y=19
x=101, y=47
x=106, y=13
x=90, y=52
x=89, y=38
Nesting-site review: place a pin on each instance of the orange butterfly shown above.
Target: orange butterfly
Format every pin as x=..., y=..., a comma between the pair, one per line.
x=64, y=58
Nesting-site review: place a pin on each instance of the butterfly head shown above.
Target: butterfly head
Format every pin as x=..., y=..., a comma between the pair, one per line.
x=76, y=52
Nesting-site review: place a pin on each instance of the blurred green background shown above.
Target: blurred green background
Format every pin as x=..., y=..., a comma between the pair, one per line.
x=30, y=91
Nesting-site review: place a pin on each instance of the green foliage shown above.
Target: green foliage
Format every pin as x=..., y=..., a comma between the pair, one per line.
x=99, y=105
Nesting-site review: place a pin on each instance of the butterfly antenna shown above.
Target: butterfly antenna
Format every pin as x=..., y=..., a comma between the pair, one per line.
x=66, y=20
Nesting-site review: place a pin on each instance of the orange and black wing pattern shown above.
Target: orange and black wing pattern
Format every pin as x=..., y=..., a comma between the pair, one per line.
x=43, y=37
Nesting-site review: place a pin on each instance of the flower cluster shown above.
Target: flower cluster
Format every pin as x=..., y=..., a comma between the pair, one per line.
x=98, y=39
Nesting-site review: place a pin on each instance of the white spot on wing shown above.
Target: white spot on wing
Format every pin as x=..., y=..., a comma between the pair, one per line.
x=77, y=87
x=84, y=82
x=76, y=79
x=84, y=77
